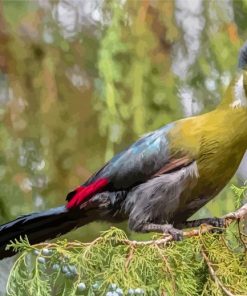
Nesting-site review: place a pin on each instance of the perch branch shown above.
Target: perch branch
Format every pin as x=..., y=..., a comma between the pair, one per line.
x=204, y=228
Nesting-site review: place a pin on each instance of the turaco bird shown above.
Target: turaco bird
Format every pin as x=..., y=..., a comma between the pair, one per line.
x=158, y=182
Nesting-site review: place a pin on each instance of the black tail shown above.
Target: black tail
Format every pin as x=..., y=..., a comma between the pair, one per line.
x=41, y=226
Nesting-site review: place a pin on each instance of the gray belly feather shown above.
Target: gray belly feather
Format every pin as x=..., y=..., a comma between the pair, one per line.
x=159, y=199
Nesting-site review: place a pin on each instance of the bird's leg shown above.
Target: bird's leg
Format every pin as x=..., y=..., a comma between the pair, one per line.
x=163, y=228
x=216, y=222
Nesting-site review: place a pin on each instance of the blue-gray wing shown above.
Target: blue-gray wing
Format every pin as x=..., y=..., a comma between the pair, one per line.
x=148, y=157
x=139, y=162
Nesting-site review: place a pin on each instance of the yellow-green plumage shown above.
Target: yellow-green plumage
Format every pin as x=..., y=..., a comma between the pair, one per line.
x=217, y=142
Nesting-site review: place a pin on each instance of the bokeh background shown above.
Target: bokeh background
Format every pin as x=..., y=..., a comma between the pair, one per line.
x=82, y=79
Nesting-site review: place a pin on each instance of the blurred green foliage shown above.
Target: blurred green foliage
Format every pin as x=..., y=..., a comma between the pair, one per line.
x=81, y=80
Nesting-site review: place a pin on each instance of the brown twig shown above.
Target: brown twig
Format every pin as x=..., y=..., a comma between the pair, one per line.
x=238, y=214
x=168, y=267
x=168, y=238
x=130, y=256
x=240, y=236
x=214, y=276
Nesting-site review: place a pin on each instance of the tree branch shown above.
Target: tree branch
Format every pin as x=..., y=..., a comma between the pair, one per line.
x=204, y=228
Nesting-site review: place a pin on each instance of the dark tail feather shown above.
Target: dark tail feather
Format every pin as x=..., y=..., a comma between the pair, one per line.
x=41, y=226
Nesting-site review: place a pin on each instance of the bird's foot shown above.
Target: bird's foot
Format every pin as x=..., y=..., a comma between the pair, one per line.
x=176, y=234
x=166, y=229
x=217, y=223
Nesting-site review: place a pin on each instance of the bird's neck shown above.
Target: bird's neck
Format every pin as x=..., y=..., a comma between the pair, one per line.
x=233, y=110
x=236, y=94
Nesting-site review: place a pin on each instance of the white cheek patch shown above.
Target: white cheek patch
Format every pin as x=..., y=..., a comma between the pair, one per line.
x=239, y=95
x=236, y=104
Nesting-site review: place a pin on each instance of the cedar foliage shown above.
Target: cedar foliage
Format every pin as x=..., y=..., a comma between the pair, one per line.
x=209, y=264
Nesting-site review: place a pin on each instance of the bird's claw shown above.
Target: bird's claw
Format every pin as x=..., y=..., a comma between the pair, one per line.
x=218, y=224
x=177, y=235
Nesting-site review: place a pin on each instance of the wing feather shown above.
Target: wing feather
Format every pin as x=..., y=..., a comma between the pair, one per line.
x=148, y=157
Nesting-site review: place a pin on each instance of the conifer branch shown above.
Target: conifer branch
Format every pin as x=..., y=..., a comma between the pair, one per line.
x=214, y=276
x=203, y=229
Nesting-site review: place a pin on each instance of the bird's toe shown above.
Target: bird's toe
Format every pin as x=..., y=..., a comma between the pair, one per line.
x=176, y=234
x=218, y=224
